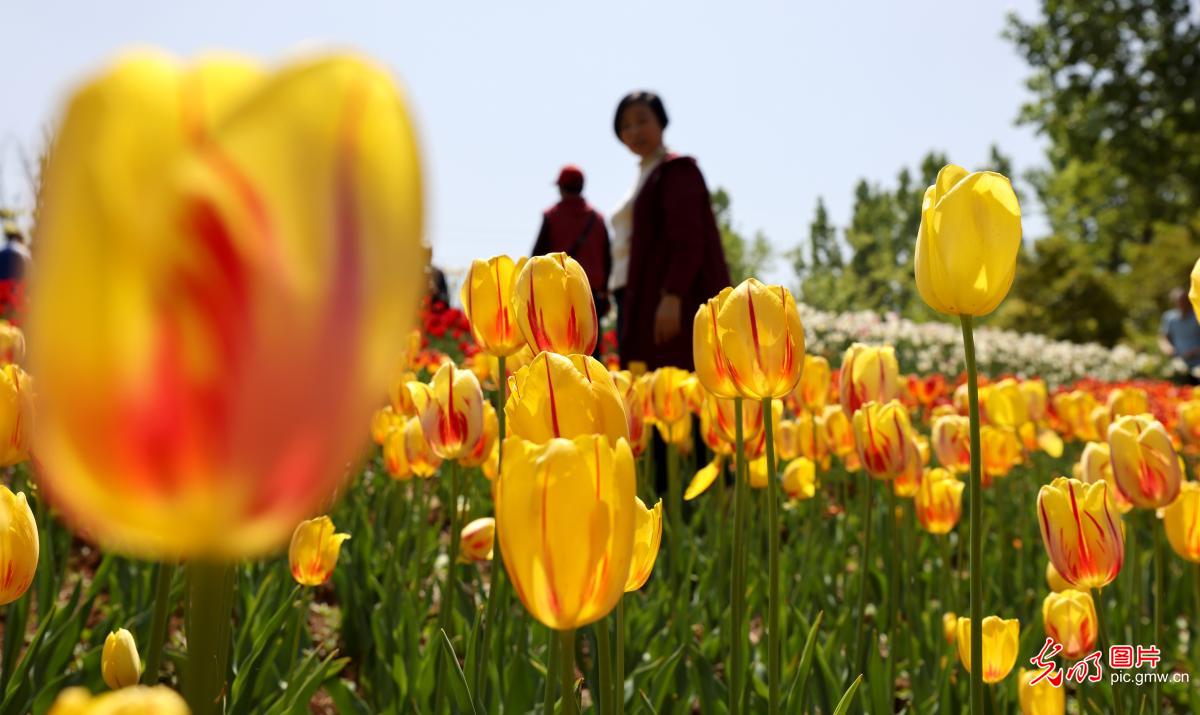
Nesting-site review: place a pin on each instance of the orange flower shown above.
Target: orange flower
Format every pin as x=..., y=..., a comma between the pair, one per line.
x=1144, y=463
x=450, y=408
x=1084, y=538
x=869, y=374
x=882, y=434
x=487, y=300
x=554, y=305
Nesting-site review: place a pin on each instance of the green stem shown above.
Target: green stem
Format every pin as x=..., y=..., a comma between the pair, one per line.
x=975, y=518
x=1158, y=600
x=619, y=681
x=604, y=654
x=158, y=621
x=567, y=652
x=679, y=575
x=889, y=531
x=551, y=667
x=863, y=581
x=774, y=674
x=450, y=586
x=209, y=628
x=737, y=596
x=497, y=600
x=1118, y=703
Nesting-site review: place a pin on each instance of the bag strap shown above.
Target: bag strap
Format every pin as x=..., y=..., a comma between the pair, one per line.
x=587, y=229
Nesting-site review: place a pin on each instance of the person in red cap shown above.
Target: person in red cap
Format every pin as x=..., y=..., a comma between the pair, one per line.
x=577, y=229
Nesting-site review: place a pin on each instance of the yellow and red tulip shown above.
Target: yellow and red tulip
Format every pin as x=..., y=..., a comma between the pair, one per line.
x=766, y=355
x=1181, y=520
x=881, y=435
x=1070, y=619
x=395, y=455
x=938, y=501
x=16, y=414
x=565, y=396
x=869, y=374
x=1095, y=465
x=475, y=542
x=1000, y=640
x=1081, y=531
x=1127, y=400
x=554, y=305
x=1054, y=579
x=839, y=431
x=1144, y=463
x=646, y=540
x=812, y=392
x=12, y=343
x=422, y=460
x=799, y=479
x=450, y=408
x=314, y=551
x=951, y=440
x=487, y=300
x=19, y=546
x=712, y=367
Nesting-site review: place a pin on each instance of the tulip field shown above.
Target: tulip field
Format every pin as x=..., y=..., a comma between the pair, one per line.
x=249, y=470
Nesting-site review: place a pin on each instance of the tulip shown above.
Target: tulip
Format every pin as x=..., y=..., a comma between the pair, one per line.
x=1054, y=579
x=811, y=436
x=486, y=441
x=1083, y=537
x=721, y=413
x=634, y=395
x=1144, y=463
x=926, y=391
x=1036, y=399
x=213, y=328
x=908, y=480
x=881, y=434
x=1001, y=451
x=1044, y=698
x=869, y=374
x=314, y=551
x=119, y=662
x=475, y=543
x=1125, y=401
x=800, y=479
x=1181, y=520
x=646, y=540
x=137, y=700
x=757, y=473
x=712, y=367
x=1101, y=419
x=787, y=438
x=1095, y=465
x=767, y=355
x=450, y=408
x=560, y=396
x=554, y=305
x=1006, y=405
x=1074, y=410
x=813, y=389
x=677, y=434
x=949, y=627
x=12, y=343
x=967, y=244
x=422, y=460
x=384, y=421
x=704, y=477
x=1194, y=289
x=939, y=501
x=1188, y=422
x=1000, y=638
x=565, y=575
x=395, y=456
x=951, y=440
x=487, y=300
x=16, y=414
x=399, y=396
x=839, y=432
x=19, y=546
x=1070, y=619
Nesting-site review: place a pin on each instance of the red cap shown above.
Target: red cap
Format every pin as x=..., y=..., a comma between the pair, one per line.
x=570, y=177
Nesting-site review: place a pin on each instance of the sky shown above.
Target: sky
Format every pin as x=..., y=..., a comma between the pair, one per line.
x=780, y=103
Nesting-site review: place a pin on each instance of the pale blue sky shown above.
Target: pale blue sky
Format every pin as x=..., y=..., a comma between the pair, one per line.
x=780, y=103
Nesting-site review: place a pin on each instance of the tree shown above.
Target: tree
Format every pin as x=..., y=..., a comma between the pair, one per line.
x=821, y=272
x=745, y=258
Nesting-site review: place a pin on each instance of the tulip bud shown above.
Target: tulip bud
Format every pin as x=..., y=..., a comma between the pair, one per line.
x=487, y=300
x=565, y=396
x=882, y=434
x=634, y=396
x=1083, y=537
x=554, y=305
x=869, y=374
x=314, y=551
x=966, y=254
x=839, y=432
x=1044, y=698
x=422, y=460
x=950, y=627
x=939, y=501
x=908, y=480
x=567, y=576
x=19, y=546
x=712, y=367
x=476, y=540
x=1144, y=463
x=646, y=540
x=16, y=414
x=1095, y=465
x=1125, y=401
x=119, y=662
x=669, y=388
x=395, y=456
x=1181, y=520
x=136, y=700
x=800, y=479
x=767, y=355
x=1000, y=640
x=1070, y=619
x=813, y=389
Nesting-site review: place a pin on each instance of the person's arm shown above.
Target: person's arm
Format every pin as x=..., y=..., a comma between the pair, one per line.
x=542, y=244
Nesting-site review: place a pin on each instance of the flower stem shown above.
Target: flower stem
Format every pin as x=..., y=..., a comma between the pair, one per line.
x=1158, y=600
x=209, y=628
x=893, y=558
x=773, y=654
x=737, y=596
x=567, y=660
x=604, y=655
x=1118, y=703
x=619, y=681
x=497, y=596
x=551, y=666
x=975, y=518
x=863, y=581
x=450, y=586
x=158, y=621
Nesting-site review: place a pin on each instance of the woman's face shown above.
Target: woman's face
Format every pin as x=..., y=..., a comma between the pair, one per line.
x=640, y=130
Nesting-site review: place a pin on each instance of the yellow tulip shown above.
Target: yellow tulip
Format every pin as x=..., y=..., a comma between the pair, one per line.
x=939, y=501
x=384, y=421
x=120, y=665
x=1036, y=399
x=646, y=541
x=12, y=343
x=1083, y=536
x=314, y=551
x=881, y=435
x=16, y=414
x=722, y=414
x=564, y=396
x=704, y=477
x=967, y=244
x=669, y=388
x=137, y=700
x=1074, y=410
x=1181, y=520
x=677, y=434
x=399, y=396
x=422, y=460
x=1000, y=639
x=800, y=479
x=908, y=480
x=634, y=395
x=756, y=472
x=1070, y=619
x=950, y=627
x=712, y=367
x=1006, y=405
x=1125, y=401
x=811, y=437
x=839, y=432
x=487, y=300
x=951, y=439
x=1044, y=698
x=566, y=521
x=395, y=456
x=813, y=389
x=212, y=329
x=1194, y=290
x=1144, y=463
x=476, y=540
x=486, y=442
x=787, y=439
x=19, y=546
x=450, y=408
x=1189, y=422
x=1054, y=579
x=1095, y=465
x=762, y=338
x=1001, y=451
x=1101, y=420
x=554, y=305
x=868, y=374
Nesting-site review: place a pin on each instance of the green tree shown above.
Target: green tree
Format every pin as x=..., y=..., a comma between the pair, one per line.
x=745, y=257
x=820, y=267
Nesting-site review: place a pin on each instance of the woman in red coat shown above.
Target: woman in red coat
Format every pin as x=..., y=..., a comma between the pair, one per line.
x=667, y=254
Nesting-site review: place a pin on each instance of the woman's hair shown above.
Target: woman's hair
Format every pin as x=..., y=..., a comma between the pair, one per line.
x=650, y=99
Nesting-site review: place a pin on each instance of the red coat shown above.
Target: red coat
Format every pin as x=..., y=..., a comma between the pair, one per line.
x=675, y=248
x=562, y=230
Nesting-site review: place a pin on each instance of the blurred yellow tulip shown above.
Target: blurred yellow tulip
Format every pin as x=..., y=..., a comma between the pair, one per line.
x=1144, y=463
x=486, y=442
x=12, y=343
x=950, y=627
x=16, y=414
x=566, y=521
x=712, y=367
x=868, y=374
x=487, y=301
x=881, y=435
x=762, y=338
x=1000, y=640
x=634, y=395
x=564, y=396
x=422, y=460
x=120, y=665
x=1006, y=405
x=1001, y=451
x=908, y=480
x=314, y=551
x=1070, y=619
x=800, y=479
x=839, y=432
x=1044, y=698
x=1074, y=410
x=1083, y=536
x=384, y=421
x=677, y=434
x=1188, y=422
x=19, y=546
x=1124, y=401
x=1036, y=399
x=213, y=328
x=395, y=455
x=476, y=540
x=136, y=700
x=813, y=389
x=1181, y=520
x=554, y=305
x=1095, y=465
x=450, y=408
x=646, y=541
x=939, y=501
x=787, y=439
x=951, y=439
x=966, y=254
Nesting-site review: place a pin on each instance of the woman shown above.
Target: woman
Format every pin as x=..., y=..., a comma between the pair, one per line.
x=667, y=255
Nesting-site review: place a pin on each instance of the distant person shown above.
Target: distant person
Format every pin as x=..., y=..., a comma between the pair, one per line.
x=1179, y=333
x=575, y=228
x=667, y=254
x=437, y=290
x=14, y=254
